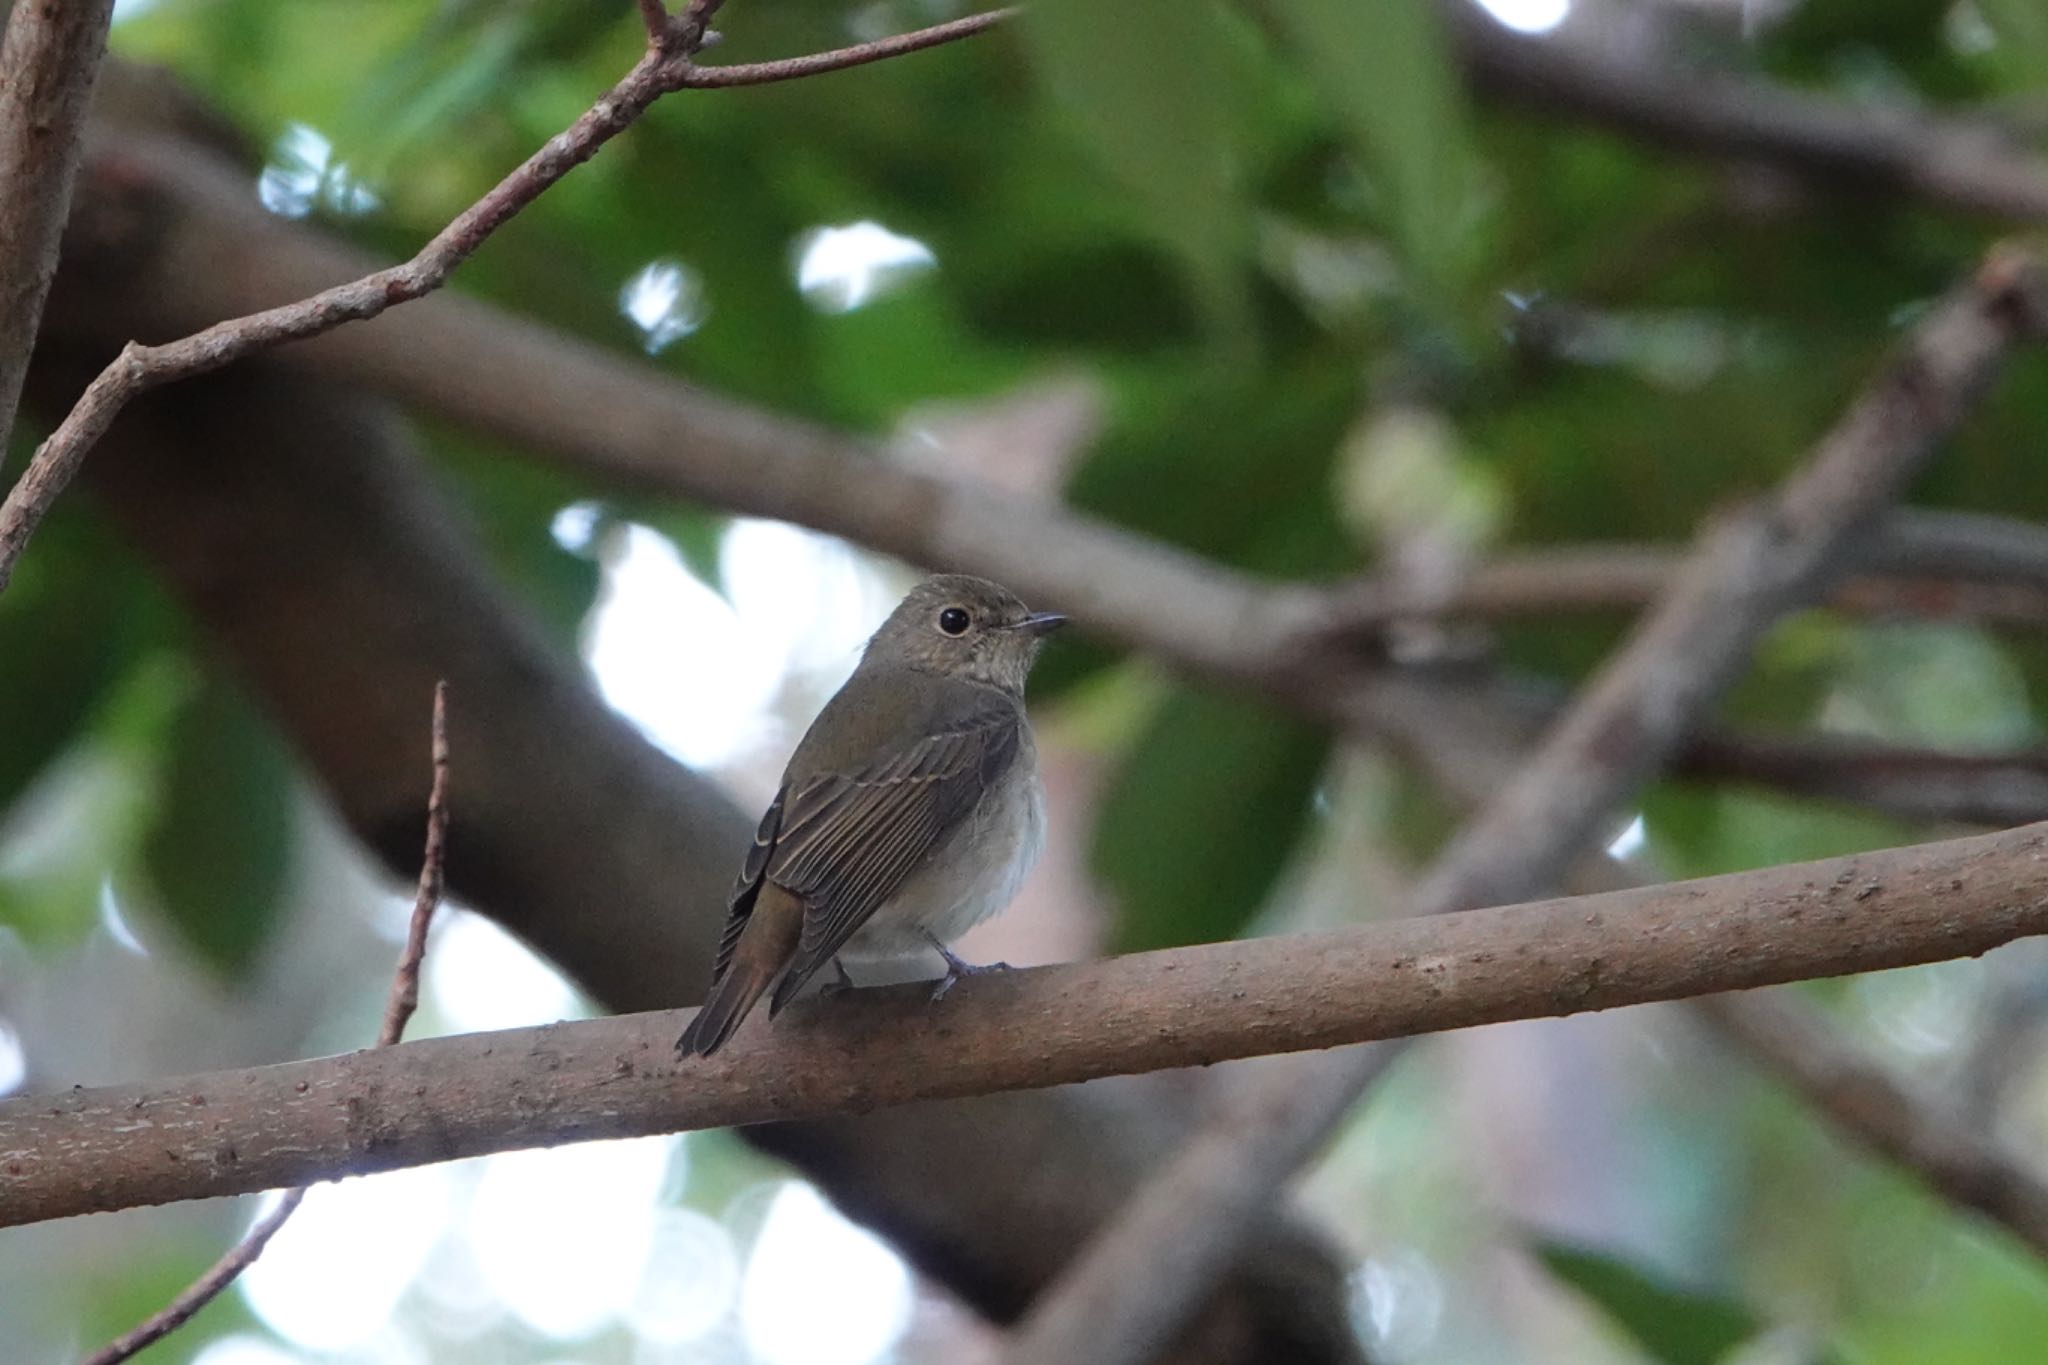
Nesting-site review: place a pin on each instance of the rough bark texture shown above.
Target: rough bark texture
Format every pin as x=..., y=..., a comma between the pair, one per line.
x=49, y=58
x=237, y=1131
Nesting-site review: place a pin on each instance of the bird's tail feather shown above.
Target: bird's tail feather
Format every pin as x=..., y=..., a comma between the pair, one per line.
x=763, y=950
x=730, y=1000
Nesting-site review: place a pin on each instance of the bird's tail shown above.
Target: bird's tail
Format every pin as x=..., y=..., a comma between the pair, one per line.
x=763, y=951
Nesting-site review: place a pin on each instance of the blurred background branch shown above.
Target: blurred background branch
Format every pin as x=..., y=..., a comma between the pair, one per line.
x=1746, y=571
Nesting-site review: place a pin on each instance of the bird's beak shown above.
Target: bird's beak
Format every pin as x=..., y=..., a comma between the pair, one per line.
x=1041, y=623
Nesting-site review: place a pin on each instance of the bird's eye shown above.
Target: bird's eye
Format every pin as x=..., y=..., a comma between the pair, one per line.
x=954, y=620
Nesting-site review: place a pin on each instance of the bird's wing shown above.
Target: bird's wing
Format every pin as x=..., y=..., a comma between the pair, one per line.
x=846, y=841
x=747, y=888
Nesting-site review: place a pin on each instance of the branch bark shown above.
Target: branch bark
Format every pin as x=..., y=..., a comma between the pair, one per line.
x=232, y=1132
x=49, y=59
x=1623, y=726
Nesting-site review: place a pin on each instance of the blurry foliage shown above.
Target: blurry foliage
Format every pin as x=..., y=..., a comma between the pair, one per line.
x=218, y=850
x=1202, y=818
x=1251, y=225
x=1674, y=1326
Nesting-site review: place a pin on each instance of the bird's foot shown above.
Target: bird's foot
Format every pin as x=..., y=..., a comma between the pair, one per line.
x=957, y=967
x=839, y=984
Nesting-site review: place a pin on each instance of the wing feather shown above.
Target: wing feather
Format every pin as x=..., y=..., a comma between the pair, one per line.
x=847, y=841
x=740, y=904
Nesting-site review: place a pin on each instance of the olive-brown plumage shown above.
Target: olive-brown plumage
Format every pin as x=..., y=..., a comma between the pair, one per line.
x=911, y=810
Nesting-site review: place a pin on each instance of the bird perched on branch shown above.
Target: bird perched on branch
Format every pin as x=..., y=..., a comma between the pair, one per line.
x=911, y=811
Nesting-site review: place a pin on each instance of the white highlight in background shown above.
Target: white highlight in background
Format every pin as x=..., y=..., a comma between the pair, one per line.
x=334, y=1272
x=700, y=673
x=840, y=268
x=1630, y=841
x=1528, y=16
x=244, y=1349
x=562, y=1234
x=820, y=1291
x=666, y=301
x=13, y=1059
x=689, y=1281
x=482, y=978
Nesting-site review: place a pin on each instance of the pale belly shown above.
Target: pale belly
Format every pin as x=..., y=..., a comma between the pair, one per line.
x=984, y=864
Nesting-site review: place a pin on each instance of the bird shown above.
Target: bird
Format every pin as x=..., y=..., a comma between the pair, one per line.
x=911, y=810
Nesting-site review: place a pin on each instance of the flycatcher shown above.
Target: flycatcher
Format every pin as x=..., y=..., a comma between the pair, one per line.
x=911, y=811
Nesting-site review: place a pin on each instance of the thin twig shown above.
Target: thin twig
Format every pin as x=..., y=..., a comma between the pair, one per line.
x=79, y=1151
x=1906, y=783
x=666, y=66
x=1627, y=721
x=49, y=59
x=654, y=14
x=1914, y=563
x=140, y=367
x=791, y=68
x=398, y=1011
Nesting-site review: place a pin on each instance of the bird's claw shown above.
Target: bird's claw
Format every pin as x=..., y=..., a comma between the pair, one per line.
x=957, y=967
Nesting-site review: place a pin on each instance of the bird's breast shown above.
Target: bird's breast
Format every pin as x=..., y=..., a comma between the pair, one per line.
x=972, y=875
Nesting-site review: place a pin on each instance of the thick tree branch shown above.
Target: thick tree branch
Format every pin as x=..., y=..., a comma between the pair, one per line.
x=233, y=1132
x=1624, y=725
x=587, y=409
x=49, y=59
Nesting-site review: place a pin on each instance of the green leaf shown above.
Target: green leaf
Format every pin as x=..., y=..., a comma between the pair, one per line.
x=1272, y=444
x=1385, y=69
x=1154, y=87
x=1202, y=817
x=77, y=613
x=218, y=850
x=697, y=533
x=2021, y=51
x=1674, y=1326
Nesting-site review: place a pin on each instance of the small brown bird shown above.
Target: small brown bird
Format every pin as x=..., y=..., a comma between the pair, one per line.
x=911, y=811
